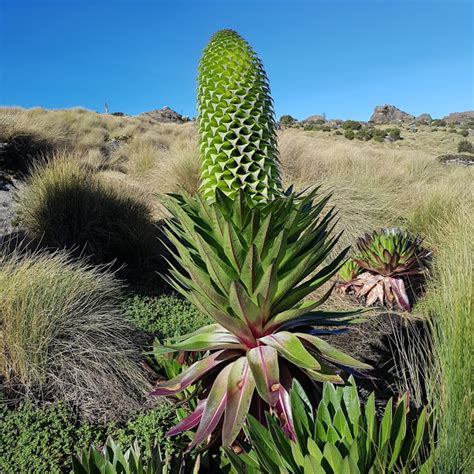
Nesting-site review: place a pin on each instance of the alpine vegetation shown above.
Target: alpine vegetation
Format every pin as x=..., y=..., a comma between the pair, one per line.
x=387, y=262
x=341, y=436
x=237, y=125
x=249, y=270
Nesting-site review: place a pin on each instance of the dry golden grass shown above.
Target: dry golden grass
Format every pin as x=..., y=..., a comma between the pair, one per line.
x=375, y=185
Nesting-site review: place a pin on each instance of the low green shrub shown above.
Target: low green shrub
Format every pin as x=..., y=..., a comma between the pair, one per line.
x=165, y=315
x=40, y=440
x=43, y=440
x=349, y=134
x=287, y=120
x=465, y=146
x=364, y=134
x=394, y=134
x=438, y=123
x=65, y=205
x=351, y=125
x=464, y=132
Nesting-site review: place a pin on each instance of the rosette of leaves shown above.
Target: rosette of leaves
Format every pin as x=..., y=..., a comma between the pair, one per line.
x=249, y=268
x=340, y=436
x=392, y=258
x=346, y=276
x=237, y=126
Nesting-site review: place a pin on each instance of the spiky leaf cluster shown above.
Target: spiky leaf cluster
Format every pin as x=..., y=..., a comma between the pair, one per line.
x=391, y=258
x=349, y=271
x=340, y=437
x=249, y=268
x=236, y=121
x=391, y=252
x=112, y=459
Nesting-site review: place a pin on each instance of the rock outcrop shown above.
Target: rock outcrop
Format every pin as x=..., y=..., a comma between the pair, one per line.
x=317, y=119
x=459, y=117
x=423, y=119
x=165, y=115
x=390, y=114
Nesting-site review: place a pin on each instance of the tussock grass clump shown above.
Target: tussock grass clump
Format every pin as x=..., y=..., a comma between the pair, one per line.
x=449, y=303
x=66, y=205
x=64, y=337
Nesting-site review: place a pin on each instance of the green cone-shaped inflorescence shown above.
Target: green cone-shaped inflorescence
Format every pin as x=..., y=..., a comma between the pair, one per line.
x=236, y=121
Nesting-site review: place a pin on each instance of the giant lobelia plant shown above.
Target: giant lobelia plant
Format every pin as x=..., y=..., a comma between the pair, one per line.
x=387, y=261
x=249, y=260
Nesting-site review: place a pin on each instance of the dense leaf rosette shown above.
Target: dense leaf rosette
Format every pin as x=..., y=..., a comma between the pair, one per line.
x=249, y=268
x=236, y=121
x=391, y=258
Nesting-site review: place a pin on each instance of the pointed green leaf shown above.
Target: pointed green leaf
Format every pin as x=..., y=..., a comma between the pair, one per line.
x=193, y=373
x=244, y=307
x=291, y=348
x=332, y=354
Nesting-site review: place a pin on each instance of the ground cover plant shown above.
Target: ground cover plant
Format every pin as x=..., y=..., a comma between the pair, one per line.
x=44, y=438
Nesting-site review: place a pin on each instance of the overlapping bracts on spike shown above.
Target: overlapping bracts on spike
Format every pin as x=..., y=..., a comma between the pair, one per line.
x=249, y=268
x=236, y=121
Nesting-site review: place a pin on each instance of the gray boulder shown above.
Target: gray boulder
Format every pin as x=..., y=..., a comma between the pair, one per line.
x=390, y=114
x=164, y=115
x=423, y=119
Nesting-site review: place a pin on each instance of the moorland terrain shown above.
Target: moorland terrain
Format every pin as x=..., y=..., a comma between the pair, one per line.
x=93, y=184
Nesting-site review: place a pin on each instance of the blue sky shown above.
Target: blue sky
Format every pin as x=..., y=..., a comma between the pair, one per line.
x=338, y=57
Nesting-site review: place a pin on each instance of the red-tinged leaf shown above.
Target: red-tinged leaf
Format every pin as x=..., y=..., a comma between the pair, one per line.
x=285, y=414
x=398, y=288
x=190, y=421
x=215, y=407
x=240, y=388
x=263, y=361
x=244, y=307
x=215, y=339
x=194, y=373
x=291, y=348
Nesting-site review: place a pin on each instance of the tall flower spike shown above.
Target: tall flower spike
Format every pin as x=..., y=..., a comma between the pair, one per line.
x=236, y=121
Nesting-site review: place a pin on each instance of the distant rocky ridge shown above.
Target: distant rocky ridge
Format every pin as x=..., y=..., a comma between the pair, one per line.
x=459, y=117
x=165, y=115
x=389, y=114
